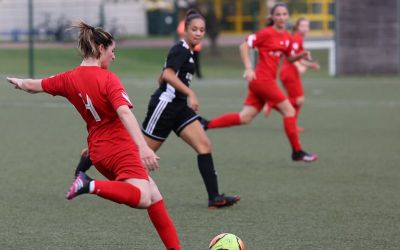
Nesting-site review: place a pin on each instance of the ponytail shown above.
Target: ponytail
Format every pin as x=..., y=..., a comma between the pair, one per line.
x=90, y=38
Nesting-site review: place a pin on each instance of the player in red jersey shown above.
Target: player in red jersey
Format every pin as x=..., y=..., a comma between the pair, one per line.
x=290, y=73
x=272, y=43
x=116, y=144
x=168, y=111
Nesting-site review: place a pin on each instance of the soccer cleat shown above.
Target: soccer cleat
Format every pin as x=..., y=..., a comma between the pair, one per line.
x=223, y=201
x=304, y=156
x=204, y=122
x=79, y=186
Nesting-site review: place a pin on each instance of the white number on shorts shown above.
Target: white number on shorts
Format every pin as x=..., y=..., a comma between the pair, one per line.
x=90, y=107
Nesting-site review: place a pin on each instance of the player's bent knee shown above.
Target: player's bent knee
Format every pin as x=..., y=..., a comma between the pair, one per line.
x=246, y=119
x=155, y=192
x=204, y=147
x=288, y=111
x=300, y=101
x=145, y=200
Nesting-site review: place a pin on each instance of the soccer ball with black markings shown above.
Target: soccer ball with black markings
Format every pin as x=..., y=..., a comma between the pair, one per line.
x=226, y=241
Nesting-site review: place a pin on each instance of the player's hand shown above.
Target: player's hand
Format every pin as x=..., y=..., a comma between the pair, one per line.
x=193, y=102
x=149, y=158
x=300, y=68
x=249, y=74
x=15, y=81
x=315, y=66
x=306, y=54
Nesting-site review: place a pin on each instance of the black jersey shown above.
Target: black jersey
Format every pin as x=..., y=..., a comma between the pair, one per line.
x=180, y=59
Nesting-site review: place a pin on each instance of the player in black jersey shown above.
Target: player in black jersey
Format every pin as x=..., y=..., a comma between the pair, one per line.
x=173, y=107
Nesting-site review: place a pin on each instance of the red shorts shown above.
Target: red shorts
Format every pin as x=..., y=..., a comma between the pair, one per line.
x=121, y=166
x=293, y=86
x=264, y=92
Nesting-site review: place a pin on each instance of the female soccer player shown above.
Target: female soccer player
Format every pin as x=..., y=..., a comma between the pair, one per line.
x=290, y=73
x=172, y=108
x=180, y=30
x=272, y=42
x=116, y=144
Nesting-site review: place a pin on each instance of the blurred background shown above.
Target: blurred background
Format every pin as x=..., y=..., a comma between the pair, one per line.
x=153, y=23
x=345, y=200
x=127, y=18
x=352, y=31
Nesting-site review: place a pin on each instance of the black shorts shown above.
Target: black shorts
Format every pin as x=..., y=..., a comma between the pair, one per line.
x=165, y=116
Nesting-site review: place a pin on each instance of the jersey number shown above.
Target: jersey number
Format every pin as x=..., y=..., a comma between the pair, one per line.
x=89, y=106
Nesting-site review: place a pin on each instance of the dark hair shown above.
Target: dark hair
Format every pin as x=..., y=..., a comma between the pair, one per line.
x=191, y=15
x=270, y=21
x=90, y=38
x=296, y=26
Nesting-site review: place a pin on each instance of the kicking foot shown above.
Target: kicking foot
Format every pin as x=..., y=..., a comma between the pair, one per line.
x=79, y=186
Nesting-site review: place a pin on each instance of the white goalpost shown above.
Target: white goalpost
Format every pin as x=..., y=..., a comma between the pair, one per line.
x=330, y=46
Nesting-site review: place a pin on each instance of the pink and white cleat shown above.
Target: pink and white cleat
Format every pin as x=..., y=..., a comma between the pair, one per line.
x=79, y=186
x=304, y=156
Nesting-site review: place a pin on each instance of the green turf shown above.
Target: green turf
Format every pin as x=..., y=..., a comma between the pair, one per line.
x=348, y=199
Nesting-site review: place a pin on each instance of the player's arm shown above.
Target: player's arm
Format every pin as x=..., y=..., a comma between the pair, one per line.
x=149, y=158
x=305, y=54
x=249, y=73
x=169, y=75
x=32, y=86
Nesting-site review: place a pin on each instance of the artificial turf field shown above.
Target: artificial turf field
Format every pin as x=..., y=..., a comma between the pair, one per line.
x=348, y=199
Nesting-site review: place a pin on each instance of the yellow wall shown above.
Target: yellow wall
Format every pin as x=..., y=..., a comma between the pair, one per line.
x=240, y=17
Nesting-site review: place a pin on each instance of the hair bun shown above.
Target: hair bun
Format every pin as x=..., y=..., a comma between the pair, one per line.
x=191, y=12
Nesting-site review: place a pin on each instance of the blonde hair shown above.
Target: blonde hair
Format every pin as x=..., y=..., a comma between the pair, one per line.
x=90, y=38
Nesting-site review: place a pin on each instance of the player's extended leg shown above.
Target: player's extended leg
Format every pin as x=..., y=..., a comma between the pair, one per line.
x=194, y=135
x=136, y=193
x=160, y=218
x=290, y=126
x=131, y=192
x=245, y=116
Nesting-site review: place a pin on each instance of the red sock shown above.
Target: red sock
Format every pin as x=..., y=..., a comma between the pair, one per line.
x=226, y=120
x=118, y=191
x=164, y=225
x=290, y=126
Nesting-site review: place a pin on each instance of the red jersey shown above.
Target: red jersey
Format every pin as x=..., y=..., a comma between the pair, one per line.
x=296, y=46
x=271, y=45
x=96, y=94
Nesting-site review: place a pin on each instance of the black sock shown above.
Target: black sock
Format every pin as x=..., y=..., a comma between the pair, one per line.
x=207, y=171
x=84, y=164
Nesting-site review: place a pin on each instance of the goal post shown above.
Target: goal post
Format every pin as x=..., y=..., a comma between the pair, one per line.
x=330, y=46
